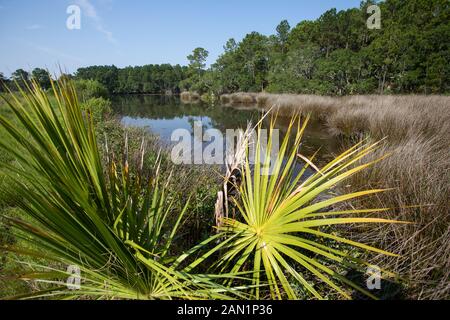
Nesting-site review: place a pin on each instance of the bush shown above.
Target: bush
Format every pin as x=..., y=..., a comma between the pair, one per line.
x=209, y=98
x=243, y=98
x=87, y=89
x=98, y=107
x=189, y=97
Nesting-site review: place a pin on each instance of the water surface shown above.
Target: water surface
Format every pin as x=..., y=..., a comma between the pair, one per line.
x=161, y=115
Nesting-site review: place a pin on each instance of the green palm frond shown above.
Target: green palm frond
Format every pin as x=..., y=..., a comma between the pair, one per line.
x=110, y=223
x=283, y=231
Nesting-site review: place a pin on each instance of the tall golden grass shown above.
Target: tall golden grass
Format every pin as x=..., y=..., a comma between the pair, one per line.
x=417, y=132
x=189, y=97
x=239, y=98
x=419, y=170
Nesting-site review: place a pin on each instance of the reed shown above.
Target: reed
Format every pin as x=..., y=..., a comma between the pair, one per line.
x=419, y=171
x=242, y=98
x=394, y=116
x=189, y=97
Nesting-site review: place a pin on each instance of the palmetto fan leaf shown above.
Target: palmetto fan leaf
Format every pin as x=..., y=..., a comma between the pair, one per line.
x=283, y=232
x=111, y=224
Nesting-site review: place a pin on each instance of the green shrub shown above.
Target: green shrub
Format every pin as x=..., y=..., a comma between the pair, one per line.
x=111, y=221
x=209, y=98
x=87, y=89
x=98, y=108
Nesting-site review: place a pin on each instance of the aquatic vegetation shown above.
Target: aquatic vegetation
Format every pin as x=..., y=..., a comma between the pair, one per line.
x=189, y=97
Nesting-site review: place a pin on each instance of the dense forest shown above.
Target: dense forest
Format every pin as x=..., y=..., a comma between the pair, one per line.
x=337, y=54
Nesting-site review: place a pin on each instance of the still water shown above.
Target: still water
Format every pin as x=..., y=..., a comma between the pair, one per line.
x=162, y=115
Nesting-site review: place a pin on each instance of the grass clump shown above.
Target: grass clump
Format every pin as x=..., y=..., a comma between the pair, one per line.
x=98, y=108
x=190, y=97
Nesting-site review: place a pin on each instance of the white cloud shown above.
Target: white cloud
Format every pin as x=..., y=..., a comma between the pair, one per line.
x=89, y=11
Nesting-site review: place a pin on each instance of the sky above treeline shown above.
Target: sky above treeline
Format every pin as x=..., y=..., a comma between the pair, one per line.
x=137, y=32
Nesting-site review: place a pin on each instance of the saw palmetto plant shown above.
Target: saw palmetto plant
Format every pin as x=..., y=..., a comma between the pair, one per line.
x=119, y=228
x=283, y=233
x=110, y=222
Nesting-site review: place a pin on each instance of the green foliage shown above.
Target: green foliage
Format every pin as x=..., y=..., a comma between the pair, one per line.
x=116, y=225
x=197, y=59
x=196, y=79
x=106, y=75
x=209, y=98
x=145, y=79
x=88, y=89
x=282, y=234
x=244, y=66
x=98, y=108
x=20, y=77
x=337, y=54
x=283, y=34
x=295, y=70
x=42, y=77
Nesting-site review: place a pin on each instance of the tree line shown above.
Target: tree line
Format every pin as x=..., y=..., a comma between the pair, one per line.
x=336, y=54
x=156, y=79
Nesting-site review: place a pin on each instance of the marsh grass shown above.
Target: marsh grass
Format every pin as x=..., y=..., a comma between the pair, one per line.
x=239, y=98
x=396, y=117
x=189, y=97
x=419, y=171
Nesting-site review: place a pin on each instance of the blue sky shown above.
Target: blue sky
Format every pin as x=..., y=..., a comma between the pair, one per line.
x=137, y=32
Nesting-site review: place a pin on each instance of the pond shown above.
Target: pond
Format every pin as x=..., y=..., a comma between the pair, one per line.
x=162, y=115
